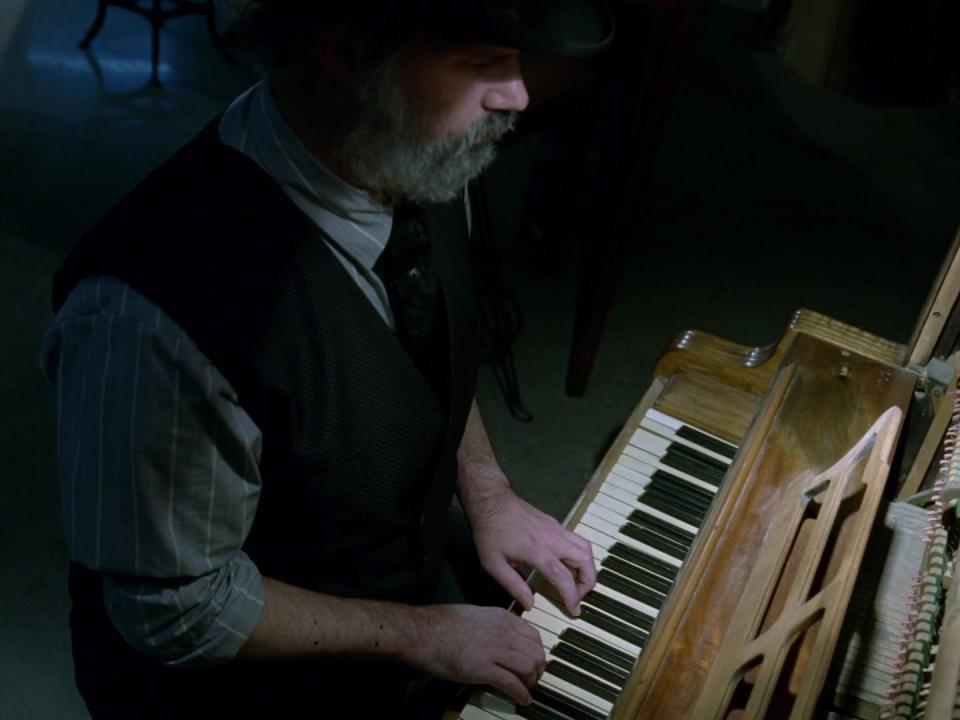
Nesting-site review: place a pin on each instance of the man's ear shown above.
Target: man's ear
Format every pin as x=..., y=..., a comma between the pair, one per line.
x=337, y=53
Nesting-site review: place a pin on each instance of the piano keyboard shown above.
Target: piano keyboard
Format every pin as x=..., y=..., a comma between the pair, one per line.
x=642, y=523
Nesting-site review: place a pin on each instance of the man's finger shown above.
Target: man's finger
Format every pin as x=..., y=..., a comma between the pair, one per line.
x=582, y=562
x=512, y=582
x=505, y=680
x=522, y=665
x=560, y=576
x=528, y=641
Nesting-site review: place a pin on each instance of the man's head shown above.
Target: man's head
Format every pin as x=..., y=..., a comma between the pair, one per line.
x=422, y=89
x=429, y=118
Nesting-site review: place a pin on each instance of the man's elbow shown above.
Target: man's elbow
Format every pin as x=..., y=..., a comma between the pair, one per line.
x=195, y=623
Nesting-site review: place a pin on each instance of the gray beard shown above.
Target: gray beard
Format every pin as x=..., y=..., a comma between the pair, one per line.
x=385, y=152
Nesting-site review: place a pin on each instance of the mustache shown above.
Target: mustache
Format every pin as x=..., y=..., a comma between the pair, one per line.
x=484, y=133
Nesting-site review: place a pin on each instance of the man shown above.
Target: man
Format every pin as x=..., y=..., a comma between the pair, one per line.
x=265, y=408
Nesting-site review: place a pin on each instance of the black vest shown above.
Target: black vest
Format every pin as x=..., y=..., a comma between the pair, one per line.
x=359, y=452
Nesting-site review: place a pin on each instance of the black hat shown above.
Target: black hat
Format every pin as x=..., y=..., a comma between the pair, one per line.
x=569, y=28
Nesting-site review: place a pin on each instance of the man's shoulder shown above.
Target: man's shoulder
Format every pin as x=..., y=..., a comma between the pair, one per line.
x=205, y=206
x=204, y=173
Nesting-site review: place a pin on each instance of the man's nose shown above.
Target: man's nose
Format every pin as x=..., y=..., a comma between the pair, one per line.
x=508, y=92
x=507, y=95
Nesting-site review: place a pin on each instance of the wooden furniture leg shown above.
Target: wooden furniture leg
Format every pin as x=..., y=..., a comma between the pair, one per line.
x=156, y=14
x=602, y=270
x=96, y=26
x=156, y=22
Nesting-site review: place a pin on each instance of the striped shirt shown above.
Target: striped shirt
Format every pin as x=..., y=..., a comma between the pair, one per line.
x=159, y=465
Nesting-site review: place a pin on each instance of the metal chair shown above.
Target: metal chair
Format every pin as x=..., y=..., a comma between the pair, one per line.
x=157, y=12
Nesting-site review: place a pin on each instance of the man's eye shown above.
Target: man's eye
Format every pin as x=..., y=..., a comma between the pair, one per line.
x=486, y=62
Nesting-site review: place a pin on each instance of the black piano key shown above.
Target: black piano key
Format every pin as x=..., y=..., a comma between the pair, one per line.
x=681, y=490
x=678, y=535
x=539, y=712
x=693, y=454
x=613, y=626
x=614, y=656
x=629, y=588
x=656, y=496
x=561, y=703
x=643, y=560
x=620, y=611
x=720, y=447
x=638, y=575
x=671, y=507
x=580, y=680
x=688, y=460
x=691, y=492
x=654, y=540
x=590, y=663
x=678, y=495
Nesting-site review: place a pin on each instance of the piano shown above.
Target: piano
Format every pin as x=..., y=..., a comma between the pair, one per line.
x=775, y=531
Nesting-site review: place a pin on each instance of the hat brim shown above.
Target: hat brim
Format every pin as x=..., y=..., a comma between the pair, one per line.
x=566, y=28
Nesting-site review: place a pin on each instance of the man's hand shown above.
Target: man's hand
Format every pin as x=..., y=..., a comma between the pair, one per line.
x=461, y=643
x=509, y=532
x=480, y=646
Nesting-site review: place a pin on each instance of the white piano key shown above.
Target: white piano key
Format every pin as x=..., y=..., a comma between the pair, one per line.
x=644, y=463
x=630, y=602
x=630, y=473
x=549, y=608
x=488, y=705
x=658, y=428
x=587, y=673
x=639, y=459
x=615, y=485
x=596, y=538
x=662, y=418
x=673, y=438
x=576, y=693
x=667, y=518
x=613, y=517
x=497, y=707
x=548, y=638
x=653, y=444
x=605, y=540
x=624, y=490
x=617, y=595
x=472, y=712
x=548, y=617
x=605, y=500
x=599, y=552
x=599, y=523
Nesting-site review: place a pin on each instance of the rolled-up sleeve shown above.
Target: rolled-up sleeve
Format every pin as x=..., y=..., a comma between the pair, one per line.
x=159, y=475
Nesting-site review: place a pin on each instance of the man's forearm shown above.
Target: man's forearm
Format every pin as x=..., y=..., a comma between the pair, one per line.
x=297, y=623
x=479, y=473
x=458, y=643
